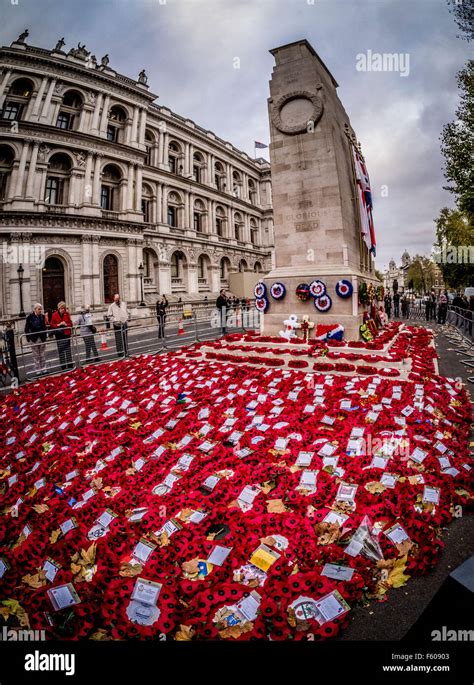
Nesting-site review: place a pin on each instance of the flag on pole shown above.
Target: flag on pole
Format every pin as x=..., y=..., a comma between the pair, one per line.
x=365, y=201
x=259, y=146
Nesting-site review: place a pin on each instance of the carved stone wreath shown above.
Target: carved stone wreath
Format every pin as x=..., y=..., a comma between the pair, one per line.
x=309, y=101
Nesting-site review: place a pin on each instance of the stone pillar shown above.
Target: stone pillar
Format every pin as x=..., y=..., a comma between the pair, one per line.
x=191, y=211
x=164, y=204
x=32, y=172
x=74, y=185
x=215, y=277
x=97, y=297
x=164, y=276
x=3, y=86
x=133, y=137
x=210, y=170
x=47, y=102
x=141, y=131
x=211, y=224
x=96, y=183
x=21, y=170
x=105, y=115
x=132, y=274
x=138, y=189
x=186, y=211
x=87, y=194
x=87, y=275
x=164, y=149
x=39, y=98
x=159, y=208
x=129, y=198
x=193, y=284
x=95, y=116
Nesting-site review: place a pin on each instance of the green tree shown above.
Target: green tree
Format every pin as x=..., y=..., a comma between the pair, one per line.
x=379, y=275
x=457, y=144
x=454, y=229
x=464, y=17
x=422, y=274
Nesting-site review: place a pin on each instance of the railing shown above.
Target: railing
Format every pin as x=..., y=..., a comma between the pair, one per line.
x=461, y=319
x=144, y=335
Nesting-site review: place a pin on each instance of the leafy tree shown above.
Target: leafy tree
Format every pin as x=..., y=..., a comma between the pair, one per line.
x=454, y=229
x=457, y=144
x=464, y=17
x=421, y=274
x=379, y=275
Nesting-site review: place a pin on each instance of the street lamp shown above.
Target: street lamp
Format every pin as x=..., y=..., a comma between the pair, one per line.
x=20, y=271
x=141, y=270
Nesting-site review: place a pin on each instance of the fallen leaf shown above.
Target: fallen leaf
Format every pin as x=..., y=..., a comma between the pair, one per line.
x=275, y=506
x=375, y=487
x=55, y=535
x=185, y=633
x=190, y=566
x=40, y=508
x=36, y=580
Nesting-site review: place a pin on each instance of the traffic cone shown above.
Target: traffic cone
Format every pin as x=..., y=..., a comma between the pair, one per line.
x=180, y=328
x=103, y=342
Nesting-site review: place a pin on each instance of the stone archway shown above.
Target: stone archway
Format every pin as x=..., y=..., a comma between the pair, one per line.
x=53, y=282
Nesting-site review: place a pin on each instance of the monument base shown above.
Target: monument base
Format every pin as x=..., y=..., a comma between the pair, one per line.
x=344, y=311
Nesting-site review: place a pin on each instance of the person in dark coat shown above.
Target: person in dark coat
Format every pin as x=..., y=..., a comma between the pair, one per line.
x=222, y=305
x=61, y=323
x=161, y=307
x=388, y=304
x=35, y=329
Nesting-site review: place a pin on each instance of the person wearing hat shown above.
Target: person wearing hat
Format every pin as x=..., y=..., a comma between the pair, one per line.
x=35, y=329
x=87, y=331
x=61, y=323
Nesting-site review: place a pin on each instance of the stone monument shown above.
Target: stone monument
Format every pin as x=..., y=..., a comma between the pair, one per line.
x=317, y=218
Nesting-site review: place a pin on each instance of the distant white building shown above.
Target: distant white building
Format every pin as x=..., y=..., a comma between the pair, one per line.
x=397, y=273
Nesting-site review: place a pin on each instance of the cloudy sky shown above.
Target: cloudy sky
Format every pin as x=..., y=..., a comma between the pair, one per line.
x=188, y=48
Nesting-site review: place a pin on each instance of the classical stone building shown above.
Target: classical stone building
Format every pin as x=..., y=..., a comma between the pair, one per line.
x=397, y=273
x=97, y=180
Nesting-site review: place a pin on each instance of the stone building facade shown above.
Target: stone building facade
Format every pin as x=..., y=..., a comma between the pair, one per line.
x=104, y=191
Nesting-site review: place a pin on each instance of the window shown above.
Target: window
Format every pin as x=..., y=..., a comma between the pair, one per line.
x=172, y=217
x=175, y=265
x=54, y=190
x=219, y=227
x=12, y=111
x=106, y=197
x=146, y=210
x=197, y=222
x=6, y=162
x=172, y=163
x=3, y=184
x=64, y=120
x=237, y=231
x=202, y=271
x=112, y=132
x=111, y=277
x=197, y=173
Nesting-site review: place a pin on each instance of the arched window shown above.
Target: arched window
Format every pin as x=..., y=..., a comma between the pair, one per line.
x=6, y=162
x=257, y=267
x=198, y=216
x=254, y=232
x=57, y=180
x=173, y=214
x=174, y=157
x=252, y=191
x=238, y=227
x=147, y=203
x=236, y=184
x=17, y=99
x=225, y=268
x=111, y=277
x=110, y=188
x=53, y=283
x=117, y=121
x=149, y=142
x=150, y=263
x=178, y=271
x=220, y=221
x=219, y=176
x=70, y=110
x=203, y=266
x=198, y=167
x=243, y=266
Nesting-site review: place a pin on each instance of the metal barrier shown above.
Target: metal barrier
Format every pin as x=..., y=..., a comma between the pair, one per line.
x=142, y=335
x=461, y=319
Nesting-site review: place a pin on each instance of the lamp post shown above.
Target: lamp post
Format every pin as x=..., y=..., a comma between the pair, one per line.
x=20, y=271
x=141, y=269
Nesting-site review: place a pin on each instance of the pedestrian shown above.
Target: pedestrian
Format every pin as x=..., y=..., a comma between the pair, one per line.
x=457, y=301
x=88, y=331
x=35, y=329
x=442, y=307
x=161, y=306
x=404, y=306
x=388, y=304
x=222, y=305
x=61, y=324
x=119, y=315
x=396, y=305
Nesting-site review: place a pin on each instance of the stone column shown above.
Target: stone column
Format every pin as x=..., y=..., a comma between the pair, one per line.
x=138, y=188
x=210, y=170
x=228, y=178
x=96, y=183
x=39, y=98
x=186, y=211
x=141, y=132
x=47, y=102
x=3, y=86
x=21, y=170
x=87, y=194
x=32, y=171
x=74, y=187
x=191, y=211
x=190, y=158
x=104, y=118
x=193, y=284
x=164, y=277
x=95, y=116
x=215, y=277
x=258, y=194
x=164, y=206
x=211, y=228
x=159, y=207
x=132, y=270
x=230, y=223
x=87, y=266
x=129, y=198
x=133, y=137
x=95, y=275
x=164, y=148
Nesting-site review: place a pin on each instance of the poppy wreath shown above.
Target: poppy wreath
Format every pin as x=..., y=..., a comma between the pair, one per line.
x=260, y=290
x=261, y=304
x=277, y=291
x=302, y=292
x=323, y=303
x=317, y=288
x=77, y=445
x=344, y=288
